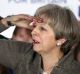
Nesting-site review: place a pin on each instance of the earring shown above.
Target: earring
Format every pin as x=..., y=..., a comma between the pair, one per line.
x=58, y=43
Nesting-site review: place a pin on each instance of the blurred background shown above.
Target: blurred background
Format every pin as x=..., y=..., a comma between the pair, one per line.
x=12, y=7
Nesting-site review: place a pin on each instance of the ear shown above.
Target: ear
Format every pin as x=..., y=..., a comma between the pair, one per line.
x=60, y=41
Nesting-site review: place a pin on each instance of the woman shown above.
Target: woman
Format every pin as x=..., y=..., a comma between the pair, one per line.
x=54, y=37
x=55, y=31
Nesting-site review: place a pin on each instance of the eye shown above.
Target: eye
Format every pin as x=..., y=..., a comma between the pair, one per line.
x=42, y=28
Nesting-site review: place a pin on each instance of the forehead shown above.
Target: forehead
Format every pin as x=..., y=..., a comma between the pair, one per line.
x=40, y=20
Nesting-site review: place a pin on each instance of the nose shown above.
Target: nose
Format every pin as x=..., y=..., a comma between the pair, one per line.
x=35, y=31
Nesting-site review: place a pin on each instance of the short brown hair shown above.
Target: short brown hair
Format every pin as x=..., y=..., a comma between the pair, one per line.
x=63, y=22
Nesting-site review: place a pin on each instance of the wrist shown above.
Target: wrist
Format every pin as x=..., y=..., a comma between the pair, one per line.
x=5, y=22
x=10, y=23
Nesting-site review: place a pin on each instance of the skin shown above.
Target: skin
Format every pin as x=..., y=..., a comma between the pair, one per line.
x=44, y=43
x=22, y=35
x=45, y=37
x=18, y=20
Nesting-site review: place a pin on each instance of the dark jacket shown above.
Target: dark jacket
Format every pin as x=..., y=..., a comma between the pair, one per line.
x=3, y=37
x=23, y=60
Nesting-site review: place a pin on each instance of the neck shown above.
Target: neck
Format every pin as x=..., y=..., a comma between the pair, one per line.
x=51, y=59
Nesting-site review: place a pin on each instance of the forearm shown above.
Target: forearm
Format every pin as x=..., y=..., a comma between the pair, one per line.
x=20, y=20
x=8, y=55
x=13, y=52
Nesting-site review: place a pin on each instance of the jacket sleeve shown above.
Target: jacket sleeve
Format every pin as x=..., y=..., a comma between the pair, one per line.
x=2, y=27
x=13, y=52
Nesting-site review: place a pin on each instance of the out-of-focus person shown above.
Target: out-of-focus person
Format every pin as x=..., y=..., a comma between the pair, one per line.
x=22, y=34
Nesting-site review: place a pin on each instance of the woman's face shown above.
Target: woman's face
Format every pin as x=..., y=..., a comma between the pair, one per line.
x=43, y=38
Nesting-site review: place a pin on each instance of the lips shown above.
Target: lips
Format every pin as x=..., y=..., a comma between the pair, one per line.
x=35, y=41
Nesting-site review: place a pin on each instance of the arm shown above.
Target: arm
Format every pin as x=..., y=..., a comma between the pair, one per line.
x=2, y=26
x=13, y=52
x=20, y=20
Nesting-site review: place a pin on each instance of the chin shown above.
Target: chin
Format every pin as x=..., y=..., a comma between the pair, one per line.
x=36, y=49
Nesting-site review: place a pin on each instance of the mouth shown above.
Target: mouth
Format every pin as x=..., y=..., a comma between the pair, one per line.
x=35, y=41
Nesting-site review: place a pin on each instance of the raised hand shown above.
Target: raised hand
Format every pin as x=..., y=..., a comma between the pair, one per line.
x=21, y=20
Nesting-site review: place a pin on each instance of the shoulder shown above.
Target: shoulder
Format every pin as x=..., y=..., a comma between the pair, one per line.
x=73, y=68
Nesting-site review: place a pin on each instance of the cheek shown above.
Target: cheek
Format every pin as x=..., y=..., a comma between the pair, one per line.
x=20, y=38
x=49, y=42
